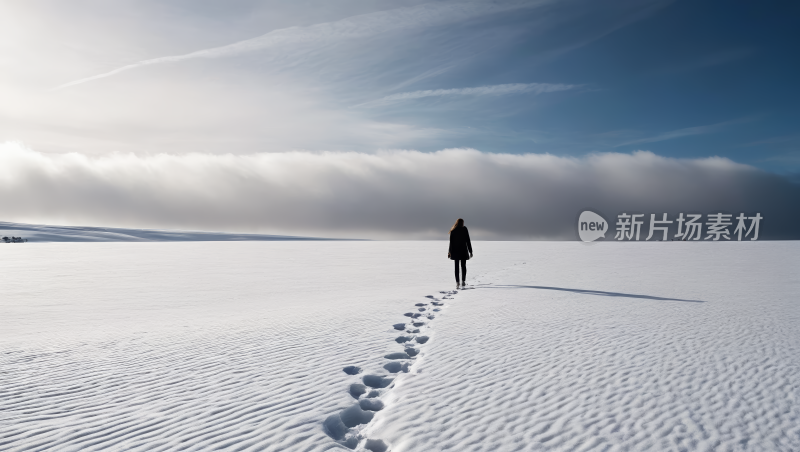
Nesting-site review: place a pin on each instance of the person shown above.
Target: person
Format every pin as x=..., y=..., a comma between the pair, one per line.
x=460, y=250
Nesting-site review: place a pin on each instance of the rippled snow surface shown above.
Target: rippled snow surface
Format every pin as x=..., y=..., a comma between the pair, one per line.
x=242, y=346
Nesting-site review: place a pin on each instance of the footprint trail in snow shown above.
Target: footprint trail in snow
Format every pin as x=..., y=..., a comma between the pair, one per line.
x=346, y=427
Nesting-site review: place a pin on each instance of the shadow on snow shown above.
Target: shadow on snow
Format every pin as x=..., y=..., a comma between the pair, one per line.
x=592, y=292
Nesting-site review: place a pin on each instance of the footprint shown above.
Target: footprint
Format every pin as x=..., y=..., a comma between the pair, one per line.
x=376, y=445
x=356, y=389
x=419, y=323
x=422, y=339
x=414, y=331
x=351, y=370
x=370, y=404
x=412, y=351
x=430, y=317
x=372, y=394
x=416, y=316
x=421, y=304
x=399, y=326
x=395, y=367
x=398, y=355
x=437, y=304
x=351, y=442
x=403, y=339
x=431, y=296
x=409, y=314
x=355, y=416
x=436, y=310
x=421, y=309
x=377, y=381
x=334, y=427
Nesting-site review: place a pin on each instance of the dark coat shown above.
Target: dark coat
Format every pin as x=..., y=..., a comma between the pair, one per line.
x=460, y=246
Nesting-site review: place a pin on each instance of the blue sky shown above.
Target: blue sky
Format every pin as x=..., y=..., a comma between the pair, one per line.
x=686, y=79
x=693, y=79
x=682, y=78
x=100, y=97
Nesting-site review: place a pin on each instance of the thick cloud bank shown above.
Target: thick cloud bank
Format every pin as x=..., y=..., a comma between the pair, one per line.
x=392, y=194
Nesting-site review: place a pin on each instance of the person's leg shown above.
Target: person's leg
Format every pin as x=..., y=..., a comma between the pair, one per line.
x=463, y=271
x=456, y=261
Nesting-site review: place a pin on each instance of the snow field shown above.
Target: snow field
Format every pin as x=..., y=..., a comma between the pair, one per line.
x=194, y=346
x=299, y=346
x=667, y=347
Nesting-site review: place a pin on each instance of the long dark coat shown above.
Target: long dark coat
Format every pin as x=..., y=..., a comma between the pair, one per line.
x=460, y=246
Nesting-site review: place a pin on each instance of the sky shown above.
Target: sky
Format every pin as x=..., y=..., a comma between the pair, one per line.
x=389, y=119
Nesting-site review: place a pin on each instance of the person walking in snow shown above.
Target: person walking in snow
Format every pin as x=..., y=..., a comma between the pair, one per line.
x=460, y=250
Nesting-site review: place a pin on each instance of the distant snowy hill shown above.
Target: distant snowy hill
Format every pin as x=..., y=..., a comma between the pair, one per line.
x=44, y=233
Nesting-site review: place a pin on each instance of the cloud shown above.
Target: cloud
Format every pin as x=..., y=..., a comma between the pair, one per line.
x=685, y=132
x=390, y=194
x=495, y=90
x=425, y=75
x=359, y=26
x=294, y=87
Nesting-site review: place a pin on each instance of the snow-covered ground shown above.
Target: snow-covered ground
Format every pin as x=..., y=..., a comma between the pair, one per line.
x=242, y=346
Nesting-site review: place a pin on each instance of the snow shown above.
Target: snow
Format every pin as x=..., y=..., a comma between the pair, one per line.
x=243, y=346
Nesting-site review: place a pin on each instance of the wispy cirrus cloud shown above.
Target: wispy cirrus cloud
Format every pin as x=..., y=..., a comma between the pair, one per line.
x=685, y=132
x=359, y=26
x=489, y=90
x=290, y=74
